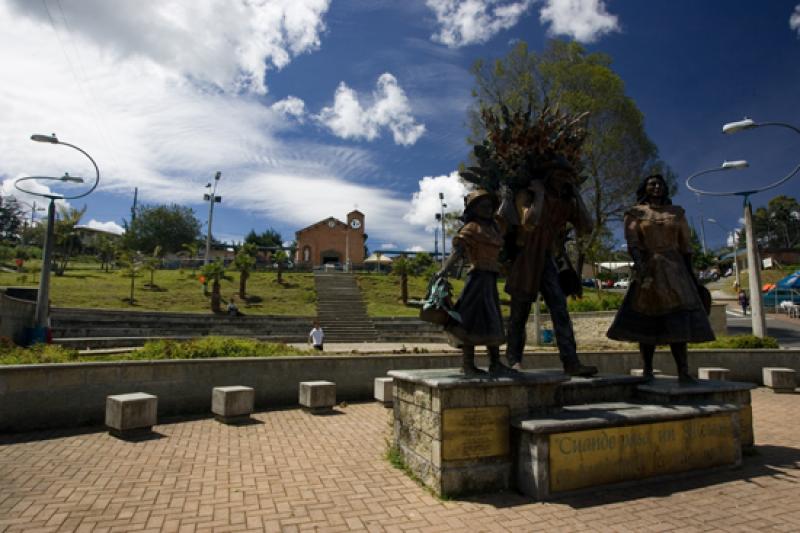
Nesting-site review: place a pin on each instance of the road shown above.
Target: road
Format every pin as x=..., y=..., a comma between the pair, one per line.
x=785, y=331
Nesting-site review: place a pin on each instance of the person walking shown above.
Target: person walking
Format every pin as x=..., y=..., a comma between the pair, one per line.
x=743, y=301
x=316, y=336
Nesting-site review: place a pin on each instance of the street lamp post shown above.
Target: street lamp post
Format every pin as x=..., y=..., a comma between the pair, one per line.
x=211, y=199
x=444, y=235
x=756, y=302
x=43, y=296
x=735, y=236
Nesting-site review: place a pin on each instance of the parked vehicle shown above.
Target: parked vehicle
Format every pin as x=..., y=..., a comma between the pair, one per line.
x=622, y=284
x=589, y=282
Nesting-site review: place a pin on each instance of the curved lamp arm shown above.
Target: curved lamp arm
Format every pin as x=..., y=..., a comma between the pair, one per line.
x=66, y=177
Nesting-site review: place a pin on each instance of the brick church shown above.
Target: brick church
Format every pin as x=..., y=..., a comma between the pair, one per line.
x=332, y=241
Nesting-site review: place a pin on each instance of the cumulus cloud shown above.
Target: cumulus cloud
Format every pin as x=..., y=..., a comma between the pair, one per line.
x=465, y=22
x=291, y=106
x=415, y=249
x=38, y=199
x=582, y=20
x=108, y=227
x=794, y=20
x=425, y=203
x=227, y=43
x=388, y=246
x=389, y=108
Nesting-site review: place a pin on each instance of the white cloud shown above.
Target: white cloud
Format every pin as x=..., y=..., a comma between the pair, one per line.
x=291, y=106
x=229, y=44
x=582, y=20
x=30, y=200
x=415, y=249
x=425, y=203
x=348, y=119
x=110, y=226
x=465, y=22
x=794, y=20
x=388, y=246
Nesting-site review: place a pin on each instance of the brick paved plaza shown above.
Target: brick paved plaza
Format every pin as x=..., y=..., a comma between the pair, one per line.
x=293, y=471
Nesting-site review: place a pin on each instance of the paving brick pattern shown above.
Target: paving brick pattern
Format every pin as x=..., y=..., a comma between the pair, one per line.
x=294, y=471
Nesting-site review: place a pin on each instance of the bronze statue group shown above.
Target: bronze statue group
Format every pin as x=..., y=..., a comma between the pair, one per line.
x=516, y=220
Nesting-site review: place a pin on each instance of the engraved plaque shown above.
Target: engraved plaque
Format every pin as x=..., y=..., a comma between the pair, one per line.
x=587, y=458
x=474, y=432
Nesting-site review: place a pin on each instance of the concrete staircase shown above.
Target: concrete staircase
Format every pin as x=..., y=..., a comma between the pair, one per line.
x=340, y=309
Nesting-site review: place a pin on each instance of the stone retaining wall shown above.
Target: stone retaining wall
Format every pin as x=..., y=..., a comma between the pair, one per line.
x=66, y=395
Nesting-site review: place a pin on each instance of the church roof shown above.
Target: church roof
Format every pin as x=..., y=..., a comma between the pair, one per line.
x=322, y=222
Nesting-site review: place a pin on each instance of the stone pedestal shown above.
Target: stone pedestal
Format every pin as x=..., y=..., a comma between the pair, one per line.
x=317, y=396
x=713, y=373
x=669, y=391
x=454, y=432
x=779, y=379
x=384, y=391
x=232, y=404
x=585, y=446
x=131, y=414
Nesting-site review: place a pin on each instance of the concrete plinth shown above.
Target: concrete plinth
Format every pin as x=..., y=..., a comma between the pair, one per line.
x=232, y=404
x=131, y=414
x=317, y=396
x=779, y=379
x=585, y=446
x=714, y=373
x=384, y=391
x=454, y=432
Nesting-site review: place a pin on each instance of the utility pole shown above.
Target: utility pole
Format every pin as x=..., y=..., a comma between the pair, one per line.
x=133, y=207
x=435, y=243
x=444, y=234
x=211, y=199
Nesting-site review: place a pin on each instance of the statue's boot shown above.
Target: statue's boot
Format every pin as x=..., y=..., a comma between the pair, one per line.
x=681, y=355
x=468, y=363
x=647, y=351
x=496, y=368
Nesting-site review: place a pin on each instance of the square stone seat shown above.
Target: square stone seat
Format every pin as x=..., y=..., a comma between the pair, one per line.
x=585, y=446
x=317, y=396
x=232, y=404
x=713, y=373
x=131, y=414
x=779, y=379
x=383, y=391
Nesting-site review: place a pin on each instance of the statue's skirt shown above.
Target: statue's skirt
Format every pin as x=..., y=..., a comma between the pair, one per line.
x=479, y=307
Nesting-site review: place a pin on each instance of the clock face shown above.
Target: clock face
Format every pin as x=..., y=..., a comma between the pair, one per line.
x=355, y=223
x=331, y=223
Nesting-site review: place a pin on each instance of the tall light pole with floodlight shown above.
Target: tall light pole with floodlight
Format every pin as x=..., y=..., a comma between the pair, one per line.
x=735, y=236
x=753, y=260
x=444, y=235
x=211, y=199
x=43, y=296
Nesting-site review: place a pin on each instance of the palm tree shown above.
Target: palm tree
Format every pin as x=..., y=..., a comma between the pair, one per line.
x=244, y=262
x=131, y=262
x=152, y=263
x=400, y=267
x=66, y=238
x=281, y=259
x=215, y=271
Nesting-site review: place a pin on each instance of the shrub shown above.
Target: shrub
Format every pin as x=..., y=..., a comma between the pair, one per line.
x=738, y=342
x=212, y=347
x=10, y=354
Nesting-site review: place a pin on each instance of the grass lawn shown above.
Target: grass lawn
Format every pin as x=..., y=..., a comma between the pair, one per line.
x=180, y=291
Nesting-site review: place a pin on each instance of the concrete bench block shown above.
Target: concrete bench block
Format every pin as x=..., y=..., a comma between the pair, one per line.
x=233, y=403
x=317, y=395
x=383, y=391
x=128, y=414
x=779, y=379
x=715, y=373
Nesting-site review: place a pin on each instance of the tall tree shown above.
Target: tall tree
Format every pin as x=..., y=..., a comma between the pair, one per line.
x=269, y=238
x=10, y=219
x=168, y=226
x=778, y=224
x=616, y=153
x=66, y=238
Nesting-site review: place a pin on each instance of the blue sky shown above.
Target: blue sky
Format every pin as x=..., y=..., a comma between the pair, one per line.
x=311, y=108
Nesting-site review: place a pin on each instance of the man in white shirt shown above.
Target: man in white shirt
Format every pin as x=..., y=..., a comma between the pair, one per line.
x=316, y=336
